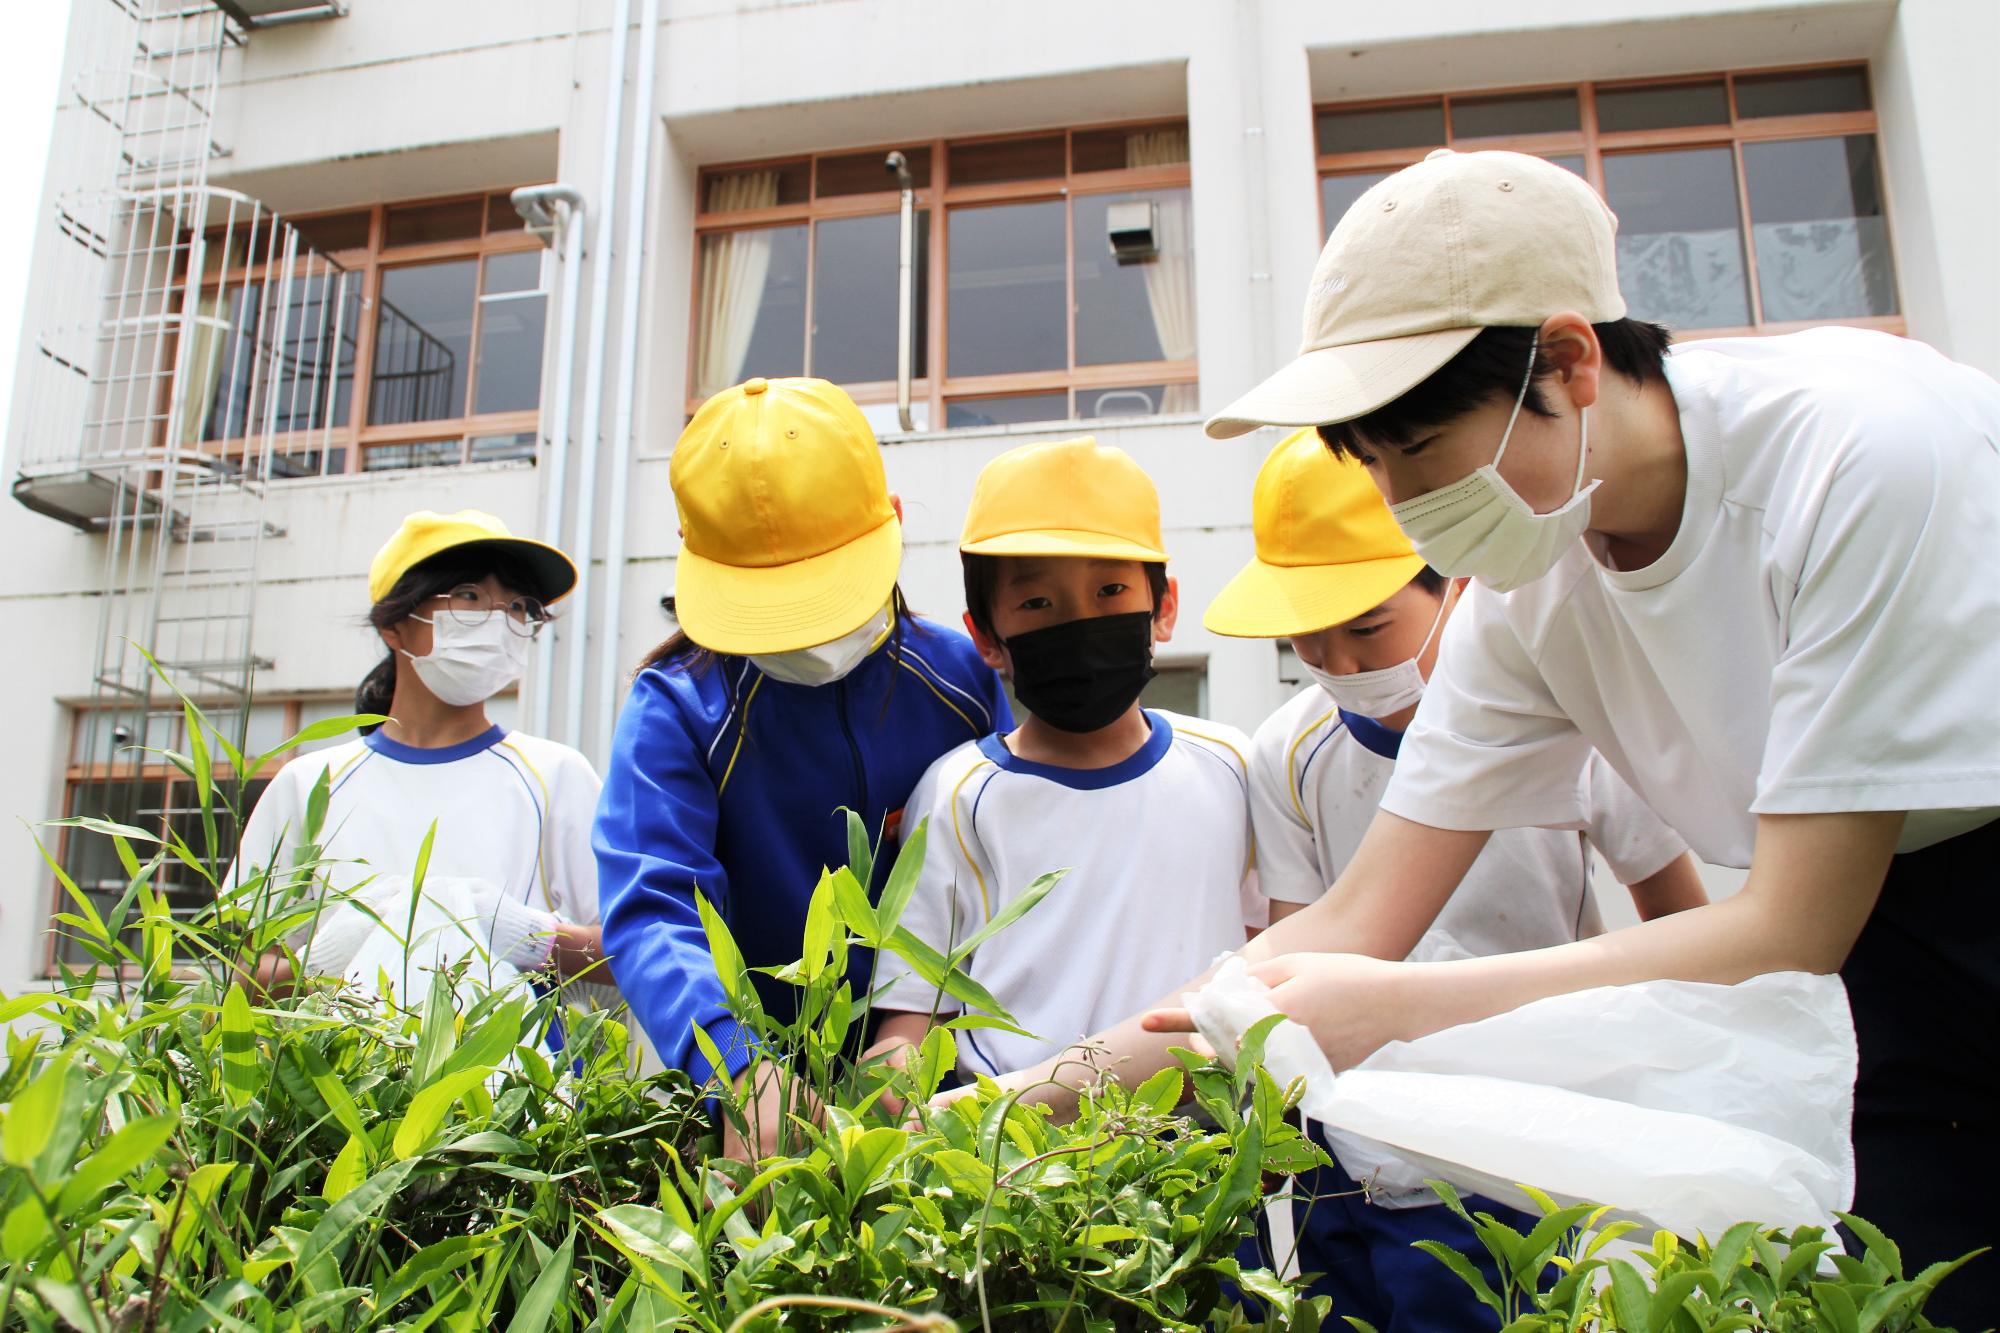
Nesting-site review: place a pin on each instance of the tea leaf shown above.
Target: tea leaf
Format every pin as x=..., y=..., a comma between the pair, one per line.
x=902, y=885
x=240, y=1077
x=118, y=1156
x=344, y=1218
x=535, y=1309
x=1013, y=911
x=348, y=1169
x=428, y=1108
x=31, y=1119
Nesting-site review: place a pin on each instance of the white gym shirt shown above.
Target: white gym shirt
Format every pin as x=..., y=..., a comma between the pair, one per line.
x=1317, y=774
x=1823, y=633
x=1158, y=849
x=512, y=809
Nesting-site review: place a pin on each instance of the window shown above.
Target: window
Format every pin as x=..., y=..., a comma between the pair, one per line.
x=1023, y=312
x=1746, y=202
x=1176, y=687
x=420, y=347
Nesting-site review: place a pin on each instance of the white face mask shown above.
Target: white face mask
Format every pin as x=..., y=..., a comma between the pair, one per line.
x=826, y=663
x=469, y=664
x=1379, y=693
x=1479, y=527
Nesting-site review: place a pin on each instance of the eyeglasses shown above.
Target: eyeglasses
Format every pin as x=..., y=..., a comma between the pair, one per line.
x=468, y=604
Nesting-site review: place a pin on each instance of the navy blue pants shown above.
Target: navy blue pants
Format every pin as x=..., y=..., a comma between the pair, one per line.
x=1364, y=1257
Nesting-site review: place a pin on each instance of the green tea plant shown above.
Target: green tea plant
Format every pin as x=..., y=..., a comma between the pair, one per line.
x=1749, y=1278
x=189, y=1144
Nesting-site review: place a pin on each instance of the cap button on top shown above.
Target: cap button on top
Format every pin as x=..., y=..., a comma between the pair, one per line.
x=756, y=385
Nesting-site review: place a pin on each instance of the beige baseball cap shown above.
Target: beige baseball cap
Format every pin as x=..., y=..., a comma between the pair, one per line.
x=1419, y=265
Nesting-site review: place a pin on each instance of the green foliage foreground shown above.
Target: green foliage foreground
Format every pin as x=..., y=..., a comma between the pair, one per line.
x=182, y=1149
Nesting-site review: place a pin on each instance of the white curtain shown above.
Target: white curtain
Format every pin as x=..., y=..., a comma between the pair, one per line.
x=734, y=266
x=1170, y=277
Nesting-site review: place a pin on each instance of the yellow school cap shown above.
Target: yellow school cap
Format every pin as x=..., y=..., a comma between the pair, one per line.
x=1065, y=497
x=788, y=538
x=425, y=534
x=1327, y=548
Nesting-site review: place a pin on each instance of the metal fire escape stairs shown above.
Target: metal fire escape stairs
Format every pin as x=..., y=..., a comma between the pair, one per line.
x=189, y=330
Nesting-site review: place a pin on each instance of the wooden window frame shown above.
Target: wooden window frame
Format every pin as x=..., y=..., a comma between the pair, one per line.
x=1592, y=144
x=938, y=388
x=367, y=263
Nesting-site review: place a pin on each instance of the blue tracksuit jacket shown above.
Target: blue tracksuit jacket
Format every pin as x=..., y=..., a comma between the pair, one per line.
x=728, y=780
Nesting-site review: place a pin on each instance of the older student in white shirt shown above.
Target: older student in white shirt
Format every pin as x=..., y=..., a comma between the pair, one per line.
x=1751, y=575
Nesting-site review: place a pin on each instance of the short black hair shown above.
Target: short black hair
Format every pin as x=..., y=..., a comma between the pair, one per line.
x=1430, y=581
x=982, y=585
x=1490, y=367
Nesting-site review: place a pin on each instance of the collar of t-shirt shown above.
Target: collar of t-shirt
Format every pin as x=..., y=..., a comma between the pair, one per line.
x=1140, y=762
x=412, y=754
x=1372, y=734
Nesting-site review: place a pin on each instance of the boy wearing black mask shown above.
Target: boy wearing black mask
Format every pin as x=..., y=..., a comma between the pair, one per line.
x=1067, y=594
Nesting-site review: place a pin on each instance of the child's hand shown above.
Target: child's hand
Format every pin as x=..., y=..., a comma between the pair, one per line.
x=1345, y=1000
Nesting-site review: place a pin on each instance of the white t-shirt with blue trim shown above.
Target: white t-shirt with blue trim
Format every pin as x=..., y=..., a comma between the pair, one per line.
x=1317, y=774
x=1158, y=849
x=511, y=809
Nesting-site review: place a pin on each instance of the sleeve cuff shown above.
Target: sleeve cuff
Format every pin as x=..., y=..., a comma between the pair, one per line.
x=731, y=1040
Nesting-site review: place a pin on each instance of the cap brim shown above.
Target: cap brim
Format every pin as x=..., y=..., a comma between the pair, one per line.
x=1340, y=383
x=782, y=608
x=1275, y=601
x=555, y=572
x=1064, y=542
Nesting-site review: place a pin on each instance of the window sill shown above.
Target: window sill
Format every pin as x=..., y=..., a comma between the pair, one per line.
x=337, y=479
x=1052, y=429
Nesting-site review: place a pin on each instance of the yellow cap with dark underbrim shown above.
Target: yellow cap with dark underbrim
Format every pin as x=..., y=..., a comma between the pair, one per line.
x=1328, y=549
x=1065, y=498
x=425, y=534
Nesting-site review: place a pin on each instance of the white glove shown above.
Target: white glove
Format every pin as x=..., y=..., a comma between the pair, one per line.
x=328, y=944
x=516, y=933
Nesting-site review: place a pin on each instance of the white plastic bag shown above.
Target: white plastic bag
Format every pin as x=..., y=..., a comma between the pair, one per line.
x=1684, y=1105
x=445, y=930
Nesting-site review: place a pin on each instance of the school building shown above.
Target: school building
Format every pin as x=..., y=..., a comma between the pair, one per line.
x=305, y=267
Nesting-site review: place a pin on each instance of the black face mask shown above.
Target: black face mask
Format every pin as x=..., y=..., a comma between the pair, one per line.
x=1082, y=675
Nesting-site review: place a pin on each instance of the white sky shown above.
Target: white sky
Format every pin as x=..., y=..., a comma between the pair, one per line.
x=30, y=70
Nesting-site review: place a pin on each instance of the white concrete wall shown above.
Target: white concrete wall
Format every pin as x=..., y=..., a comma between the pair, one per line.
x=402, y=101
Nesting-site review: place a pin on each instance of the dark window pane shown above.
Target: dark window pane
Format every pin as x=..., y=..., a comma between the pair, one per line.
x=229, y=358
x=511, y=330
x=1515, y=114
x=1802, y=93
x=1116, y=150
x=334, y=231
x=1142, y=311
x=1178, y=689
x=1006, y=160
x=501, y=215
x=1338, y=193
x=753, y=307
x=1017, y=410
x=1134, y=400
x=423, y=453
x=1374, y=128
x=520, y=271
x=1007, y=289
x=1570, y=162
x=758, y=187
x=854, y=298
x=1662, y=106
x=864, y=173
x=1817, y=228
x=457, y=221
x=423, y=342
x=499, y=448
x=1680, y=237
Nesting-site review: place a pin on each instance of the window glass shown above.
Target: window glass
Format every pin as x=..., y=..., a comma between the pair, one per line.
x=1015, y=410
x=1120, y=149
x=501, y=215
x=757, y=187
x=1134, y=400
x=1338, y=193
x=882, y=418
x=501, y=448
x=1007, y=294
x=854, y=298
x=753, y=307
x=1373, y=128
x=423, y=453
x=1802, y=92
x=513, y=317
x=335, y=231
x=423, y=342
x=1662, y=106
x=459, y=220
x=1178, y=689
x=866, y=173
x=1007, y=160
x=1570, y=162
x=1680, y=242
x=1139, y=311
x=1816, y=224
x=1515, y=114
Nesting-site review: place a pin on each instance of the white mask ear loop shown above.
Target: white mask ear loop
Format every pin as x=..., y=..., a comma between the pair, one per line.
x=1534, y=350
x=1443, y=602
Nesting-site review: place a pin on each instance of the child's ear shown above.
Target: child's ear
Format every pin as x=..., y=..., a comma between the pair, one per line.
x=1167, y=612
x=990, y=651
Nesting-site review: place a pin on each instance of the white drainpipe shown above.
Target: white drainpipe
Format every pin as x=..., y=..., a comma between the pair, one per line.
x=567, y=216
x=578, y=656
x=610, y=663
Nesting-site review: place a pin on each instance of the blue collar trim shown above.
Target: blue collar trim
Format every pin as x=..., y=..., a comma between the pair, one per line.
x=1137, y=764
x=449, y=754
x=1372, y=734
